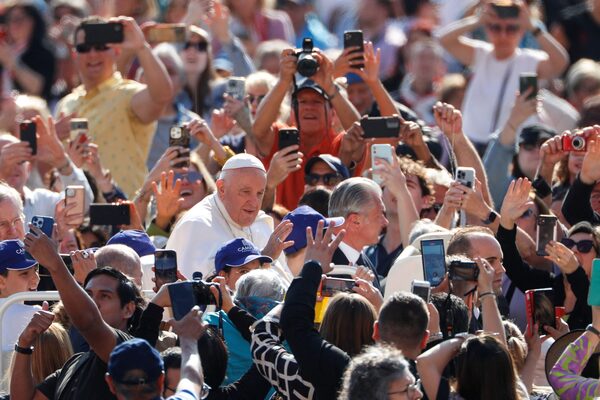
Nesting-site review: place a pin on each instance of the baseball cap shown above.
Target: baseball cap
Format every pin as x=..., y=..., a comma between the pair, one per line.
x=303, y=217
x=139, y=241
x=535, y=134
x=13, y=256
x=135, y=354
x=243, y=160
x=236, y=253
x=352, y=78
x=333, y=162
x=222, y=63
x=312, y=85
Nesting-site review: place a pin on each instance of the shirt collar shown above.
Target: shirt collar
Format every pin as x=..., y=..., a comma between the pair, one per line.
x=351, y=253
x=114, y=79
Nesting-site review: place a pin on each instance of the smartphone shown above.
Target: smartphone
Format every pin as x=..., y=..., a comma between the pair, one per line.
x=540, y=308
x=78, y=126
x=165, y=267
x=180, y=136
x=380, y=127
x=466, y=176
x=380, y=152
x=75, y=194
x=172, y=33
x=421, y=289
x=463, y=271
x=236, y=88
x=331, y=286
x=352, y=39
x=433, y=256
x=527, y=80
x=103, y=32
x=546, y=231
x=594, y=293
x=109, y=214
x=185, y=295
x=288, y=137
x=46, y=224
x=506, y=10
x=28, y=132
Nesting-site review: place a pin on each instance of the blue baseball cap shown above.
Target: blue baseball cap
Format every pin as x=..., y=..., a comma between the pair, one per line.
x=135, y=354
x=332, y=162
x=139, y=241
x=13, y=256
x=352, y=78
x=303, y=217
x=236, y=253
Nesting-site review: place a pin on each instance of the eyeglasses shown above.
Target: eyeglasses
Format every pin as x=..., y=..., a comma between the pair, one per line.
x=583, y=246
x=86, y=48
x=200, y=46
x=410, y=389
x=258, y=99
x=5, y=226
x=327, y=179
x=508, y=28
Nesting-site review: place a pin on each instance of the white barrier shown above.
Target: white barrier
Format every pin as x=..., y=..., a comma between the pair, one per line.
x=34, y=296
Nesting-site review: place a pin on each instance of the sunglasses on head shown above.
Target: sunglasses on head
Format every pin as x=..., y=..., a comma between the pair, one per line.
x=258, y=99
x=200, y=46
x=508, y=28
x=583, y=246
x=327, y=179
x=86, y=48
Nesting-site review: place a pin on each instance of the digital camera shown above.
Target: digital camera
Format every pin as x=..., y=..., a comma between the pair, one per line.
x=307, y=64
x=459, y=270
x=574, y=143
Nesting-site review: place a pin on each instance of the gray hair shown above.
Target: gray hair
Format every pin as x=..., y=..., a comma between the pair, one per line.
x=122, y=258
x=581, y=70
x=352, y=196
x=9, y=193
x=261, y=283
x=370, y=374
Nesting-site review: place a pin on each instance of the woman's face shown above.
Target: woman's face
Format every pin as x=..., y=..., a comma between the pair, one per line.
x=528, y=220
x=19, y=25
x=254, y=95
x=584, y=259
x=575, y=162
x=195, y=55
x=192, y=188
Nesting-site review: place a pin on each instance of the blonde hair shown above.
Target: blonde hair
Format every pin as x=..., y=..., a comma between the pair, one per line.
x=517, y=346
x=51, y=350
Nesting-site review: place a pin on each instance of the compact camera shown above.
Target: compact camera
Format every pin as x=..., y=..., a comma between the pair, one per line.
x=574, y=143
x=307, y=64
x=459, y=270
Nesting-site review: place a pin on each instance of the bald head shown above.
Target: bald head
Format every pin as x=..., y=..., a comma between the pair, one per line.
x=121, y=258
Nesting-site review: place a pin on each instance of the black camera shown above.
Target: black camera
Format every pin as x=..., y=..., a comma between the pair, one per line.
x=185, y=295
x=460, y=270
x=307, y=64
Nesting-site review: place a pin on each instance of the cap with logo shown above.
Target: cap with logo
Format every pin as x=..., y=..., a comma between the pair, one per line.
x=138, y=240
x=13, y=256
x=237, y=253
x=303, y=217
x=243, y=160
x=135, y=355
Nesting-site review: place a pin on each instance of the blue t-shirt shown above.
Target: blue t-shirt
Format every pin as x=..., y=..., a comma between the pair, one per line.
x=183, y=395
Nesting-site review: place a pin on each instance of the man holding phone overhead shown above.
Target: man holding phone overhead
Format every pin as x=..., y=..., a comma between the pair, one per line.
x=121, y=113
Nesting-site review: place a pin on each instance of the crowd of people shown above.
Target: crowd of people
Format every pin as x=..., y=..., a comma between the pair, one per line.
x=233, y=199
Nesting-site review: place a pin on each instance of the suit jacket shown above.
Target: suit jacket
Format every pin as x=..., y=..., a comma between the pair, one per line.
x=339, y=258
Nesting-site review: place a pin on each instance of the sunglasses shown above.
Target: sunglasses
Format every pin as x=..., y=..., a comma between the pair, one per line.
x=258, y=99
x=327, y=179
x=86, y=48
x=583, y=246
x=200, y=46
x=191, y=176
x=509, y=28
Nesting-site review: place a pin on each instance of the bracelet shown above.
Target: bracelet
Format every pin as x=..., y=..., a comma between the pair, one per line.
x=482, y=295
x=23, y=350
x=335, y=93
x=590, y=328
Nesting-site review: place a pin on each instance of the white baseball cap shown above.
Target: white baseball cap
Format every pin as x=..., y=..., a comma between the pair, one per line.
x=243, y=160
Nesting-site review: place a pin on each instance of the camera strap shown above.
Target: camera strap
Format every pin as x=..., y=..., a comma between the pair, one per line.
x=220, y=308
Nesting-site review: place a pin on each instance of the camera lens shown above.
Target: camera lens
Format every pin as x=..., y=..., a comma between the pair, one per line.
x=307, y=65
x=578, y=143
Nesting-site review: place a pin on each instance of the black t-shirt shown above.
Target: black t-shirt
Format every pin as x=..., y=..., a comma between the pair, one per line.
x=82, y=377
x=582, y=31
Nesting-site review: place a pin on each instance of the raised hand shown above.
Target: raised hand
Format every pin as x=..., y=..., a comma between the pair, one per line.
x=39, y=323
x=287, y=65
x=372, y=59
x=590, y=169
x=321, y=247
x=221, y=121
x=345, y=62
x=11, y=155
x=552, y=152
x=448, y=119
x=222, y=292
x=516, y=202
x=191, y=326
x=43, y=249
x=277, y=243
x=485, y=280
x=353, y=145
x=84, y=262
x=165, y=163
x=368, y=291
x=50, y=149
x=283, y=163
x=562, y=256
x=392, y=176
x=168, y=198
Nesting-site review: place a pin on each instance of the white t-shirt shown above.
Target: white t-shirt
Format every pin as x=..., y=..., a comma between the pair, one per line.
x=14, y=321
x=483, y=92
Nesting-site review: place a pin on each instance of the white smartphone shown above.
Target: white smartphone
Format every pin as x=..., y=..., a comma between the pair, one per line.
x=421, y=289
x=380, y=152
x=236, y=87
x=466, y=176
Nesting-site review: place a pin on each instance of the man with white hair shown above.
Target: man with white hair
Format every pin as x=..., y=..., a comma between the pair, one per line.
x=232, y=212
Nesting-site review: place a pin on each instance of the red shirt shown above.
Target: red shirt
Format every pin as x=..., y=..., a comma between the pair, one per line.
x=290, y=190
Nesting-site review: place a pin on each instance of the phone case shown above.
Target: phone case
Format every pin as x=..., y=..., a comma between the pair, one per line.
x=355, y=38
x=288, y=137
x=109, y=214
x=173, y=33
x=28, y=133
x=380, y=127
x=381, y=152
x=466, y=176
x=236, y=87
x=534, y=311
x=433, y=256
x=526, y=81
x=594, y=293
x=75, y=195
x=78, y=126
x=546, y=231
x=46, y=224
x=104, y=32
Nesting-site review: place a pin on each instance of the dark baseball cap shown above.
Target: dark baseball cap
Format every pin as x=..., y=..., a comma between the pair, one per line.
x=138, y=240
x=535, y=134
x=333, y=162
x=135, y=354
x=13, y=256
x=303, y=217
x=309, y=84
x=237, y=253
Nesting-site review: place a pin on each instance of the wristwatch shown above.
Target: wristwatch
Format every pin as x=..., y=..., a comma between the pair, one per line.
x=491, y=218
x=590, y=328
x=541, y=187
x=23, y=350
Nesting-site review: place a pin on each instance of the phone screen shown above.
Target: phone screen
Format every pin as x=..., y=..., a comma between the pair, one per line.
x=165, y=266
x=182, y=298
x=331, y=286
x=543, y=306
x=434, y=260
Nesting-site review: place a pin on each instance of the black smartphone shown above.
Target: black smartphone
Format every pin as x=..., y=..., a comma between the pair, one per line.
x=463, y=271
x=331, y=286
x=103, y=32
x=185, y=295
x=433, y=256
x=506, y=10
x=527, y=80
x=46, y=224
x=165, y=267
x=380, y=127
x=540, y=308
x=180, y=136
x=352, y=39
x=546, y=231
x=421, y=289
x=109, y=214
x=28, y=133
x=288, y=137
